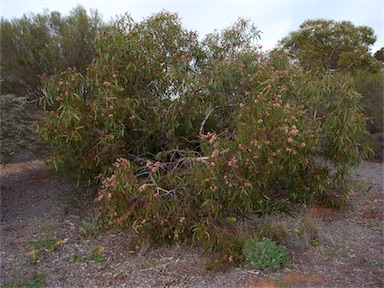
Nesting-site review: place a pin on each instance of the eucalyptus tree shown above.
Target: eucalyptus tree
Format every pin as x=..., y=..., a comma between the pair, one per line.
x=330, y=45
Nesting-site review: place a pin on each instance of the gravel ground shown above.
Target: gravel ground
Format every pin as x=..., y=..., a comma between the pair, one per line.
x=37, y=203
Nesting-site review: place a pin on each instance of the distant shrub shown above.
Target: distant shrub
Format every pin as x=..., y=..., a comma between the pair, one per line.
x=42, y=44
x=371, y=87
x=17, y=129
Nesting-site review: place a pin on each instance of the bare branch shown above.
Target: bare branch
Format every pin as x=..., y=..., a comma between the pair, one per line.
x=205, y=119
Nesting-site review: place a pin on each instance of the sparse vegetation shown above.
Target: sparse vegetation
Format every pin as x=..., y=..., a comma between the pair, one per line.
x=36, y=281
x=45, y=244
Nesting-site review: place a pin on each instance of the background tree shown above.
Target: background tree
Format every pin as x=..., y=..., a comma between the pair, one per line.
x=44, y=43
x=371, y=87
x=326, y=44
x=379, y=55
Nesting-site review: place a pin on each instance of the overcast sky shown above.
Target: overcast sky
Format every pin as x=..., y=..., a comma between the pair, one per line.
x=274, y=18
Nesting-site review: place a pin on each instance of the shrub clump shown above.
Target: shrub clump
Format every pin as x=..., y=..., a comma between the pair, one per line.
x=266, y=254
x=181, y=134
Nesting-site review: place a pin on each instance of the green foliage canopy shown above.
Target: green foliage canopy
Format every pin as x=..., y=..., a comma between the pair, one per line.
x=326, y=44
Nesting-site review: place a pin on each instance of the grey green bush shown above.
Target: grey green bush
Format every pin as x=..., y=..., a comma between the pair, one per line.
x=266, y=254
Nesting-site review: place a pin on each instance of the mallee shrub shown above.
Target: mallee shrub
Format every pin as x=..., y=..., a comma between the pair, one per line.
x=181, y=134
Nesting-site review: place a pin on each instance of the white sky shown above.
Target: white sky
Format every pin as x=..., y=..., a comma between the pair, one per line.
x=275, y=18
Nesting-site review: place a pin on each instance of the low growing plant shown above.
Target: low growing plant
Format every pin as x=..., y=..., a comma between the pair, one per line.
x=93, y=256
x=45, y=244
x=36, y=281
x=266, y=254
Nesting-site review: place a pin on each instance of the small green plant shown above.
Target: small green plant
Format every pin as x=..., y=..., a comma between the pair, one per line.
x=342, y=250
x=371, y=263
x=314, y=242
x=90, y=228
x=266, y=254
x=274, y=231
x=308, y=229
x=94, y=256
x=45, y=244
x=33, y=282
x=329, y=252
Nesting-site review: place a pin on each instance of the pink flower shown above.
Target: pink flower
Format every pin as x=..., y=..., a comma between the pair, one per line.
x=215, y=153
x=106, y=84
x=294, y=132
x=143, y=187
x=302, y=145
x=98, y=199
x=182, y=220
x=232, y=162
x=226, y=179
x=213, y=187
x=213, y=137
x=122, y=160
x=290, y=140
